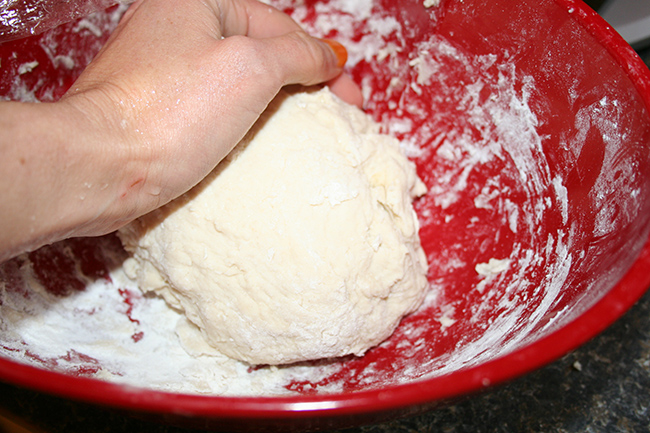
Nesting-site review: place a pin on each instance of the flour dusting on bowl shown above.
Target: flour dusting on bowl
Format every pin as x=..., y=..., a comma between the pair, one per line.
x=500, y=226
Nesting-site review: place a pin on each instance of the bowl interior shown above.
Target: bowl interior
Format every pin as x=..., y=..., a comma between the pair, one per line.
x=528, y=124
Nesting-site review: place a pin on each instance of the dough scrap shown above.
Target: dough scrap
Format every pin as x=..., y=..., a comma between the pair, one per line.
x=302, y=244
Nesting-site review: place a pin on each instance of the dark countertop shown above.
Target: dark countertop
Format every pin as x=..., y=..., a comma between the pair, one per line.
x=604, y=386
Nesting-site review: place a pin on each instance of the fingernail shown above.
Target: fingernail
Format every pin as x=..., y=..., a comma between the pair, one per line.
x=339, y=50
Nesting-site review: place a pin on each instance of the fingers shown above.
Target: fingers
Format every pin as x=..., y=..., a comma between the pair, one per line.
x=346, y=89
x=253, y=19
x=284, y=52
x=297, y=58
x=300, y=61
x=289, y=54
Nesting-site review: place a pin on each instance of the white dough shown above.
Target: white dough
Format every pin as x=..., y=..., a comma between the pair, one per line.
x=302, y=244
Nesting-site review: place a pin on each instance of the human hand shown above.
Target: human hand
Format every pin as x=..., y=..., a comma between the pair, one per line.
x=177, y=85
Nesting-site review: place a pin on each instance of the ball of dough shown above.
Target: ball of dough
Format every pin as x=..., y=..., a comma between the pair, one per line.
x=302, y=244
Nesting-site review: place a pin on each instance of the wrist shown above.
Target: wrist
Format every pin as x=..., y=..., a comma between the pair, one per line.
x=109, y=165
x=67, y=167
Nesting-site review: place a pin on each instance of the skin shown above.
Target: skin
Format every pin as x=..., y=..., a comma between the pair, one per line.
x=175, y=88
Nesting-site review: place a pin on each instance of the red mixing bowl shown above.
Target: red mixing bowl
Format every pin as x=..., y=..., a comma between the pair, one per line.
x=529, y=123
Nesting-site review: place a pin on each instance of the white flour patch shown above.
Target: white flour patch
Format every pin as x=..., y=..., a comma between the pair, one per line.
x=26, y=68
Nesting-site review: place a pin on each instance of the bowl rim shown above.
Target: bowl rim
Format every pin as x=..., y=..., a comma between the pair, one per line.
x=425, y=392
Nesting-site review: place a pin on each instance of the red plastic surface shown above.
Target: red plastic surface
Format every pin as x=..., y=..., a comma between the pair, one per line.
x=578, y=64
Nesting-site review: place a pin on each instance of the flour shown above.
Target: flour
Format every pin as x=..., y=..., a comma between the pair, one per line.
x=490, y=187
x=19, y=19
x=26, y=68
x=431, y=3
x=111, y=331
x=30, y=82
x=493, y=267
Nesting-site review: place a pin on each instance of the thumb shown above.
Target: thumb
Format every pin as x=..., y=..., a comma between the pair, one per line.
x=297, y=58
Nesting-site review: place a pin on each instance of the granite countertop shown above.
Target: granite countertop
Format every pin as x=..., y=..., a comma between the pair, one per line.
x=604, y=386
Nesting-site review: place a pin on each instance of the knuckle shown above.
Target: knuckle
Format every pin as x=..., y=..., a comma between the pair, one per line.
x=245, y=57
x=313, y=52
